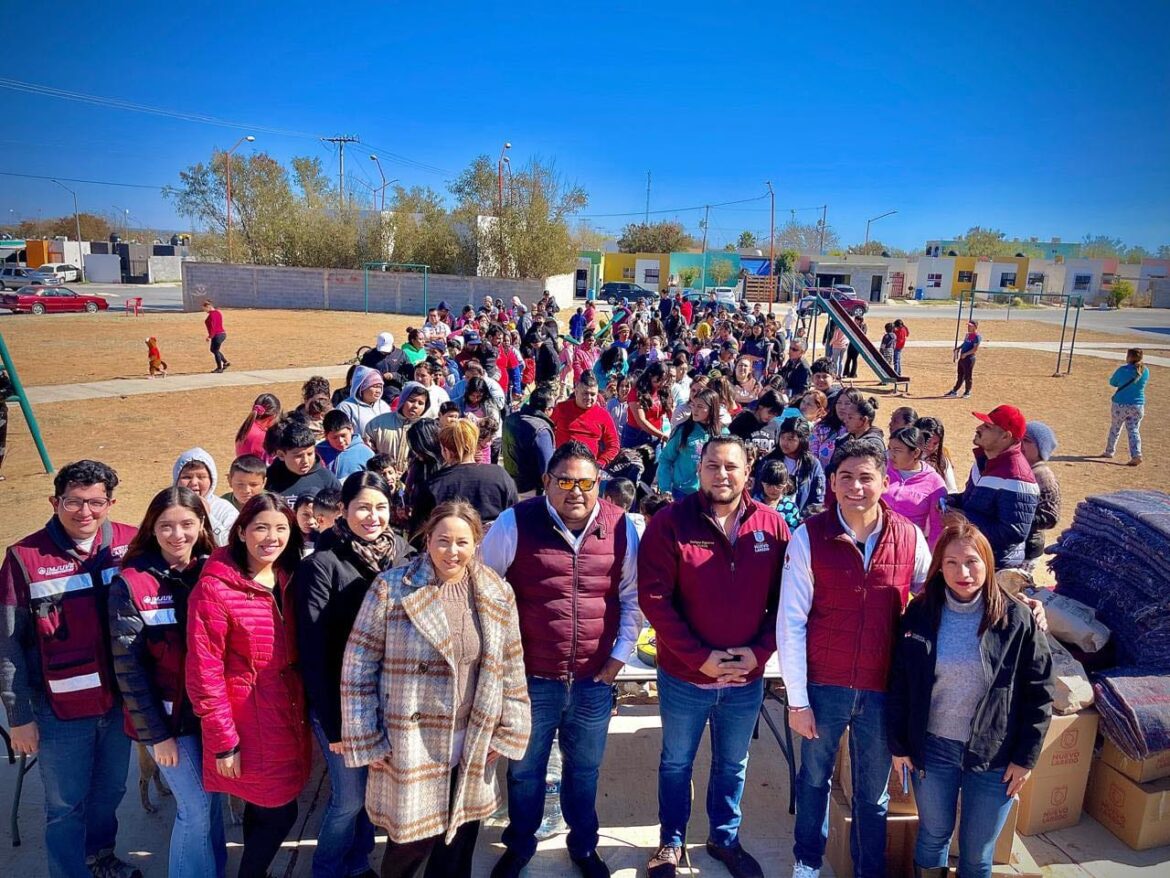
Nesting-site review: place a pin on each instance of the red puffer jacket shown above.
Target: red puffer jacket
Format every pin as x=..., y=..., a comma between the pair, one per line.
x=244, y=684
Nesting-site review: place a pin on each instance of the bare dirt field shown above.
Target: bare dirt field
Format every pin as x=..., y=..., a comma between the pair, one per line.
x=142, y=435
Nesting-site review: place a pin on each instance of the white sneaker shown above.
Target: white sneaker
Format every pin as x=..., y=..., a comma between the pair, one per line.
x=800, y=870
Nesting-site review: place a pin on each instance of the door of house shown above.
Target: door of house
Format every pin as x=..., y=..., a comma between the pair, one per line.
x=875, y=288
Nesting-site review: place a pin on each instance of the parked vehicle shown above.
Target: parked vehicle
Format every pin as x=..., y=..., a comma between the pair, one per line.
x=13, y=277
x=843, y=293
x=66, y=272
x=614, y=291
x=724, y=296
x=41, y=299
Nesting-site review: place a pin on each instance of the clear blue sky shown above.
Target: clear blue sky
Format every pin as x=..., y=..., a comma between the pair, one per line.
x=1039, y=118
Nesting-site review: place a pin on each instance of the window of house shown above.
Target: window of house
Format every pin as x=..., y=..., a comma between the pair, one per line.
x=1081, y=281
x=934, y=280
x=966, y=277
x=628, y=272
x=1035, y=278
x=1007, y=279
x=651, y=278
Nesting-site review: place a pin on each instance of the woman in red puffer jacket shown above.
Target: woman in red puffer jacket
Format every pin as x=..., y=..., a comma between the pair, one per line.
x=242, y=676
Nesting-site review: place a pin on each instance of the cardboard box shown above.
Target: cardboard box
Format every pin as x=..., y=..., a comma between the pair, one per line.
x=900, y=803
x=1138, y=814
x=1020, y=865
x=1153, y=767
x=901, y=833
x=1054, y=795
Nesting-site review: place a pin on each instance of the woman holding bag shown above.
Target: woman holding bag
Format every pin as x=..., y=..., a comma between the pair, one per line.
x=432, y=693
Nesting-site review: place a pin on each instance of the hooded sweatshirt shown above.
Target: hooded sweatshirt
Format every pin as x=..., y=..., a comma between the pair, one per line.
x=916, y=496
x=386, y=434
x=223, y=514
x=361, y=413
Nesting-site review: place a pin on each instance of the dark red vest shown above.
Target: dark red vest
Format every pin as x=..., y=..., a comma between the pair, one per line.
x=568, y=603
x=854, y=614
x=67, y=602
x=166, y=642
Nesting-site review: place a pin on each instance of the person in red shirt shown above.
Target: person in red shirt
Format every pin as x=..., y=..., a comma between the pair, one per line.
x=580, y=417
x=215, y=334
x=901, y=333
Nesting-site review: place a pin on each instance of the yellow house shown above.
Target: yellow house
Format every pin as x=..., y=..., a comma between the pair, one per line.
x=964, y=277
x=651, y=270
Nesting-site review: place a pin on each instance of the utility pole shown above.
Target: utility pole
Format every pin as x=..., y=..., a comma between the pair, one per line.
x=824, y=223
x=771, y=249
x=76, y=219
x=646, y=220
x=341, y=141
x=706, y=222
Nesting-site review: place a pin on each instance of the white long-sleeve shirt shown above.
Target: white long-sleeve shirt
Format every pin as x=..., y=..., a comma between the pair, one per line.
x=796, y=598
x=498, y=550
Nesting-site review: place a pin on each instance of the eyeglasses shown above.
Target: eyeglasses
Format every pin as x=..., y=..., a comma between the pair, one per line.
x=586, y=485
x=74, y=504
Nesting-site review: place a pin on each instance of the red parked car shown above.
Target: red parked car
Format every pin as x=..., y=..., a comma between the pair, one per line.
x=50, y=300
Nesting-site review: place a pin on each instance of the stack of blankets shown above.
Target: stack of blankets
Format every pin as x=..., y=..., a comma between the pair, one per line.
x=1116, y=559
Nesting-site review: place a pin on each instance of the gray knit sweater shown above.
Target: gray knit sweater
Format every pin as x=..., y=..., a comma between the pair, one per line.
x=960, y=681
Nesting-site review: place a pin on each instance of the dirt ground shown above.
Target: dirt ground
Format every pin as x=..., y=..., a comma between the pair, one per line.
x=142, y=435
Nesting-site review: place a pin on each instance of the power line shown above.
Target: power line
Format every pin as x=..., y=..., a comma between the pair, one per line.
x=671, y=210
x=76, y=180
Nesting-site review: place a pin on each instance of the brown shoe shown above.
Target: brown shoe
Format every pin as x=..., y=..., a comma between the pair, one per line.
x=1134, y=461
x=664, y=863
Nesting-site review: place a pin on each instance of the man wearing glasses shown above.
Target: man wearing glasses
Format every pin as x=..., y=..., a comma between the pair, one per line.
x=56, y=681
x=795, y=370
x=572, y=560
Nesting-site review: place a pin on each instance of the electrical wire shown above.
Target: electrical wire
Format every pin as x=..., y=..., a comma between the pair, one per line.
x=76, y=180
x=672, y=210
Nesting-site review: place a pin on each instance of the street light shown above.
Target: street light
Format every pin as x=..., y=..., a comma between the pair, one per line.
x=374, y=159
x=500, y=178
x=874, y=220
x=76, y=219
x=228, y=159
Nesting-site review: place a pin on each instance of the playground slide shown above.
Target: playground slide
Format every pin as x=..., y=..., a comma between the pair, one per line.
x=832, y=309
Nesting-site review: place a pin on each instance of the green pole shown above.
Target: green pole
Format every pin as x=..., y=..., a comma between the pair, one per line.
x=366, y=285
x=1063, y=329
x=426, y=275
x=26, y=407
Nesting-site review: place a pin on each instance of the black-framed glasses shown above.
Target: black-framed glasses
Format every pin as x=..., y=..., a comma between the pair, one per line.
x=565, y=484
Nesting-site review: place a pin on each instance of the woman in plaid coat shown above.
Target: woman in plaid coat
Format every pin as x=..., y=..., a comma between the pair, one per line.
x=433, y=692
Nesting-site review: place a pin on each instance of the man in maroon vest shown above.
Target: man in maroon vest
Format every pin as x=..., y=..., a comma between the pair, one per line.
x=709, y=581
x=56, y=676
x=571, y=558
x=847, y=577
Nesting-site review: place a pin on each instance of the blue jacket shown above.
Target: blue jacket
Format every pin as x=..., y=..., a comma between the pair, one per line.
x=352, y=460
x=1134, y=393
x=678, y=463
x=1000, y=499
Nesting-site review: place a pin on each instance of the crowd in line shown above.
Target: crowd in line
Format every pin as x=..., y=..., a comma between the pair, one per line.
x=428, y=581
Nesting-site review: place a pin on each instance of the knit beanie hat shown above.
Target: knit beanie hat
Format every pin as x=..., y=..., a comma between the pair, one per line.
x=1044, y=438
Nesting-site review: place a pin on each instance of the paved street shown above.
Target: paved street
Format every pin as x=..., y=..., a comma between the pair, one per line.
x=155, y=297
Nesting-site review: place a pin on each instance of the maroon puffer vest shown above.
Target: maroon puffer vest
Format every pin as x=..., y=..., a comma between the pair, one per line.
x=854, y=615
x=568, y=604
x=166, y=642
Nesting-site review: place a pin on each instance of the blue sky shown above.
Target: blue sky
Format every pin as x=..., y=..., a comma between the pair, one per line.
x=1039, y=118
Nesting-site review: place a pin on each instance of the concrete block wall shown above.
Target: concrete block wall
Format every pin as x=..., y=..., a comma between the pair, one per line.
x=261, y=286
x=164, y=268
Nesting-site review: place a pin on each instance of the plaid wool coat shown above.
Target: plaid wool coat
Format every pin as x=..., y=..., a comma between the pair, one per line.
x=398, y=702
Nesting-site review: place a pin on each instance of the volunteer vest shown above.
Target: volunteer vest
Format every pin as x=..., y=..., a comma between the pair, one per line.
x=166, y=641
x=67, y=602
x=568, y=603
x=854, y=615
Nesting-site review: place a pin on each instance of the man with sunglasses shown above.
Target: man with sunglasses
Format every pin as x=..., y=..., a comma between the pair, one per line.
x=795, y=370
x=56, y=679
x=572, y=560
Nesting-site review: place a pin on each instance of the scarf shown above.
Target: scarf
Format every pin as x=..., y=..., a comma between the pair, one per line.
x=375, y=555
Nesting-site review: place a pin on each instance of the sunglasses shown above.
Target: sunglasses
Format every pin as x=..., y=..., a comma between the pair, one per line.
x=586, y=485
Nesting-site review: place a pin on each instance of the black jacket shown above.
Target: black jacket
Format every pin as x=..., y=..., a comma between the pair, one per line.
x=328, y=588
x=289, y=485
x=1011, y=719
x=133, y=663
x=797, y=376
x=521, y=454
x=486, y=486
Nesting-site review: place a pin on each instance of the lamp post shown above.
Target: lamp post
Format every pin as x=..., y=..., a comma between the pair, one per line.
x=228, y=159
x=874, y=220
x=771, y=247
x=500, y=178
x=382, y=174
x=77, y=220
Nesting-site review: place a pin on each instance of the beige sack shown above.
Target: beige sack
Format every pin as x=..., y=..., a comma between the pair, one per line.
x=1071, y=621
x=1071, y=688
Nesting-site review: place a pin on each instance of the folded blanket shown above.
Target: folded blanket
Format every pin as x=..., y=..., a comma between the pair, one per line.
x=1135, y=710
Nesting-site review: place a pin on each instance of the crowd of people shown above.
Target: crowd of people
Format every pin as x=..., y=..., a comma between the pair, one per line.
x=448, y=561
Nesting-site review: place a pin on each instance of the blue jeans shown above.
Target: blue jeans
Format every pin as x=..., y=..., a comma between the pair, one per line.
x=686, y=709
x=83, y=769
x=897, y=361
x=579, y=714
x=346, y=836
x=986, y=806
x=198, y=847
x=834, y=708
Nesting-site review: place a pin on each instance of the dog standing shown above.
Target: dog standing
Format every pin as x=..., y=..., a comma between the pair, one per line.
x=154, y=358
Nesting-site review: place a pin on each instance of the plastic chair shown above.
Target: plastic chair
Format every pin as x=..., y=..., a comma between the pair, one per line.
x=134, y=306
